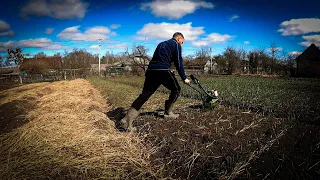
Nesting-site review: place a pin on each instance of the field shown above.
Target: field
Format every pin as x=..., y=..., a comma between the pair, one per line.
x=261, y=128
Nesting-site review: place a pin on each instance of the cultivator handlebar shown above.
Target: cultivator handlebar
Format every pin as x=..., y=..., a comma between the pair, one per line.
x=196, y=81
x=209, y=98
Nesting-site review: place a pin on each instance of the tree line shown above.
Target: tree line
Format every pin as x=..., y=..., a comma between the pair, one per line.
x=272, y=61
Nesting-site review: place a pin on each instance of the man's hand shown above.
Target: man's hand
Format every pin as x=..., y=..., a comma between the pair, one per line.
x=187, y=81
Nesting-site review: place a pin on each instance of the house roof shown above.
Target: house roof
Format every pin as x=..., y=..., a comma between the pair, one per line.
x=311, y=53
x=48, y=62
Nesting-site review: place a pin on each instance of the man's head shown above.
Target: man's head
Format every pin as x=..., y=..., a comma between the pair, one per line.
x=179, y=37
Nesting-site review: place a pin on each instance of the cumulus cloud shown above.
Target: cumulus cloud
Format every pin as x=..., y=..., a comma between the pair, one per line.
x=113, y=33
x=115, y=26
x=4, y=26
x=315, y=39
x=212, y=38
x=218, y=38
x=5, y=29
x=37, y=43
x=233, y=18
x=300, y=26
x=117, y=46
x=60, y=9
x=166, y=30
x=4, y=46
x=246, y=42
x=49, y=30
x=7, y=33
x=42, y=43
x=295, y=53
x=54, y=47
x=276, y=49
x=200, y=43
x=96, y=47
x=91, y=34
x=174, y=9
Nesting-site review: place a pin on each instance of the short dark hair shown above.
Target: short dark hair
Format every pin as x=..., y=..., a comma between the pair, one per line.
x=177, y=34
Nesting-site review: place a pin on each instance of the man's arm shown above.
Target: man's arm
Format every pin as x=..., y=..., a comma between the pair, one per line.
x=178, y=61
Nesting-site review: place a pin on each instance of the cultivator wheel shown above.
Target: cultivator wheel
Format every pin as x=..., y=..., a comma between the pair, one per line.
x=208, y=102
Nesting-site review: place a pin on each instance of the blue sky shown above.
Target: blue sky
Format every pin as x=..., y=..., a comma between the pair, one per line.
x=52, y=26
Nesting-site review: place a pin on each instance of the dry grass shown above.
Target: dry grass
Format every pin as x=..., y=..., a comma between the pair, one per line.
x=68, y=136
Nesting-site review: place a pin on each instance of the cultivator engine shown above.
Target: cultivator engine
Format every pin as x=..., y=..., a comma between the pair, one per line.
x=209, y=97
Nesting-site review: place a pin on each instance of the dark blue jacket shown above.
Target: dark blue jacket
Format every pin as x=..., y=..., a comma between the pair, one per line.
x=167, y=52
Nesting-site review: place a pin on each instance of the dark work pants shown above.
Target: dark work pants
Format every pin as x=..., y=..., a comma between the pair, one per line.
x=153, y=79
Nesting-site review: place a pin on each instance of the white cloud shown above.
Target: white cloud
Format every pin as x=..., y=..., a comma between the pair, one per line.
x=4, y=46
x=94, y=47
x=2, y=49
x=115, y=26
x=113, y=33
x=218, y=38
x=8, y=33
x=117, y=46
x=212, y=38
x=67, y=9
x=144, y=38
x=91, y=34
x=49, y=30
x=54, y=47
x=174, y=9
x=200, y=43
x=4, y=26
x=38, y=43
x=295, y=53
x=300, y=26
x=5, y=29
x=98, y=30
x=246, y=42
x=315, y=39
x=166, y=30
x=233, y=18
x=276, y=49
x=42, y=43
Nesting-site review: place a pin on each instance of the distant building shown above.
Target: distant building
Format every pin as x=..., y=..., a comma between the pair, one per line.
x=103, y=67
x=308, y=63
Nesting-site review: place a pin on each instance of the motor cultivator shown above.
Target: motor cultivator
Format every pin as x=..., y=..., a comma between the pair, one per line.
x=209, y=97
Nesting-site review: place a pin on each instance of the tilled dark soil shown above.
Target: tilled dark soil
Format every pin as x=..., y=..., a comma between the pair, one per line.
x=226, y=143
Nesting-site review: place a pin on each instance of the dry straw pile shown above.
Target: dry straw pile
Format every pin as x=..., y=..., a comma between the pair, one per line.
x=68, y=136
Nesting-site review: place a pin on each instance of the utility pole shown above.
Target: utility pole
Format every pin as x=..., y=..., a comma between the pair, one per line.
x=210, y=60
x=112, y=56
x=99, y=53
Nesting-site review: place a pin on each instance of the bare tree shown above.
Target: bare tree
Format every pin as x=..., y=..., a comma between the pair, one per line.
x=202, y=55
x=288, y=63
x=258, y=60
x=253, y=57
x=78, y=59
x=222, y=63
x=232, y=56
x=273, y=49
x=110, y=58
x=2, y=63
x=57, y=54
x=273, y=61
x=15, y=56
x=188, y=60
x=243, y=55
x=139, y=56
x=40, y=55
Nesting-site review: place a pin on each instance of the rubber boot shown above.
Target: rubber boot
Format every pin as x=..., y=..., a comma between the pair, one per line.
x=126, y=122
x=168, y=114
